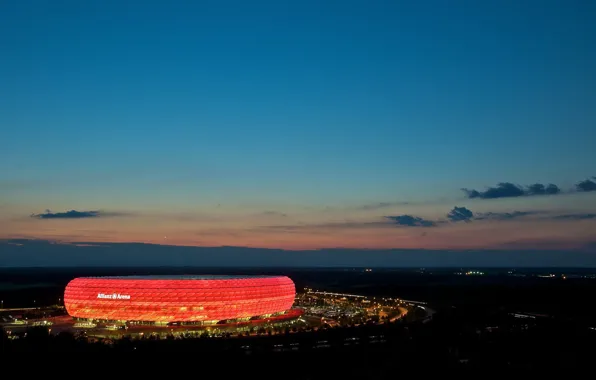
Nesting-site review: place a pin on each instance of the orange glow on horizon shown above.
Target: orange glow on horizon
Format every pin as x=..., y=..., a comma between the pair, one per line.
x=504, y=235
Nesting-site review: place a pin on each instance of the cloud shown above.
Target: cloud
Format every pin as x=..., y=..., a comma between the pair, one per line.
x=74, y=214
x=460, y=214
x=575, y=216
x=410, y=221
x=510, y=190
x=380, y=205
x=540, y=189
x=457, y=214
x=464, y=214
x=502, y=190
x=323, y=227
x=504, y=215
x=274, y=213
x=586, y=185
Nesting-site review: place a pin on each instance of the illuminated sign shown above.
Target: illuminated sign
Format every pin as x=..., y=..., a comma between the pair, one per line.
x=114, y=296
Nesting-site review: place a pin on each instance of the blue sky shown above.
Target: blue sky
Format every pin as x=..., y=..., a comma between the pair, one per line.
x=180, y=105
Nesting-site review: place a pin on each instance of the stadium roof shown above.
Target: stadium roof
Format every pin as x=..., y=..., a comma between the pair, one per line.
x=184, y=277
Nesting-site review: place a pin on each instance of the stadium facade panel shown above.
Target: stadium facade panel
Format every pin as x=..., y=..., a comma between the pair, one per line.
x=165, y=299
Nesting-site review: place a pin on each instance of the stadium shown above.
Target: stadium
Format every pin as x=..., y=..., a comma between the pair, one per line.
x=187, y=300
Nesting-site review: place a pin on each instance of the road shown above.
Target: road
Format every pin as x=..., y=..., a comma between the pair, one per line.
x=402, y=313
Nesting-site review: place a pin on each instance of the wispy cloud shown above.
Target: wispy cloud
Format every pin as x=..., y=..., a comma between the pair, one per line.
x=575, y=216
x=380, y=205
x=313, y=227
x=274, y=213
x=464, y=214
x=460, y=214
x=410, y=221
x=510, y=190
x=504, y=215
x=455, y=215
x=74, y=214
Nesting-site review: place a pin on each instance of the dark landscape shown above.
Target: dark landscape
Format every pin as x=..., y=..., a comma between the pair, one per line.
x=498, y=318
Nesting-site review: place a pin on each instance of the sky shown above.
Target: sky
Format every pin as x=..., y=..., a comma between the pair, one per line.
x=300, y=125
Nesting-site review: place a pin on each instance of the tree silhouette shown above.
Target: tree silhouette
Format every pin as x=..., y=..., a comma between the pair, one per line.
x=3, y=340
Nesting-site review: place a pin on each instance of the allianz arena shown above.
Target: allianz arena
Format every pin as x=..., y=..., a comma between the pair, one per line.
x=180, y=299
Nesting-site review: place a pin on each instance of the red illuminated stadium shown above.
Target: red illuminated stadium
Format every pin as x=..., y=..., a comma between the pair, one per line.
x=184, y=299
